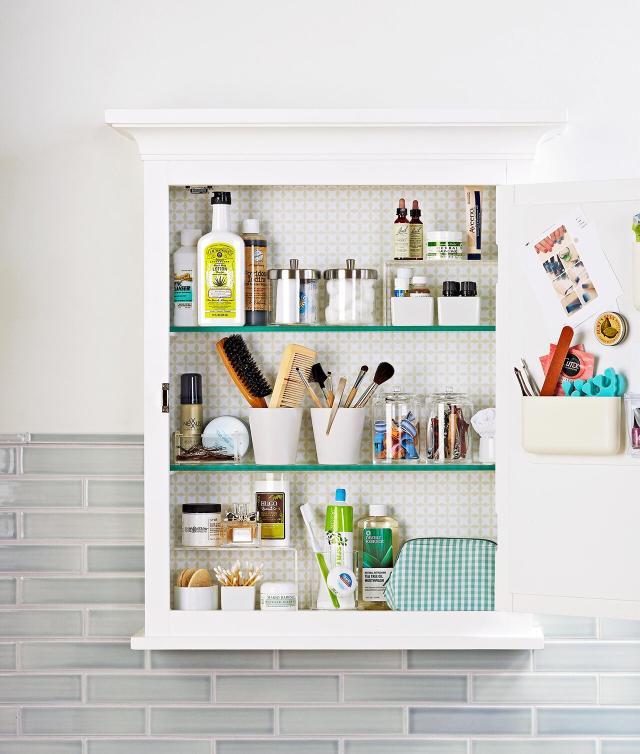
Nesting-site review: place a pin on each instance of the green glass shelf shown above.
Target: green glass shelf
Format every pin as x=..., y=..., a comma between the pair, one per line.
x=222, y=467
x=339, y=328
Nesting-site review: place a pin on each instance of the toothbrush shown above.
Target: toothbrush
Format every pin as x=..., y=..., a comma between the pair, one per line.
x=305, y=511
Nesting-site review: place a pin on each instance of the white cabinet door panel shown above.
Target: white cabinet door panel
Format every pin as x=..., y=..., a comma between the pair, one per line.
x=569, y=526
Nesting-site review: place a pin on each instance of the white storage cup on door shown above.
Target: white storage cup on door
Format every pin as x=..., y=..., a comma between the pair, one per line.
x=275, y=433
x=195, y=597
x=343, y=445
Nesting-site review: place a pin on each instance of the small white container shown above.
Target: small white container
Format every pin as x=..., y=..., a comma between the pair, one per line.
x=279, y=595
x=458, y=310
x=571, y=426
x=238, y=597
x=275, y=433
x=185, y=296
x=416, y=310
x=351, y=294
x=343, y=445
x=195, y=597
x=202, y=524
x=444, y=244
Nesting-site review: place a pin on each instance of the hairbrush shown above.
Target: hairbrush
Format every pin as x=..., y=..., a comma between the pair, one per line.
x=289, y=389
x=384, y=372
x=244, y=371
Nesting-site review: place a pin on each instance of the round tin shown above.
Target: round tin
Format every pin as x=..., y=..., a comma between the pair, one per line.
x=610, y=328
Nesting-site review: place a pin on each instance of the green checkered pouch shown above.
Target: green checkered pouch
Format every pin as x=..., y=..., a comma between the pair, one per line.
x=443, y=573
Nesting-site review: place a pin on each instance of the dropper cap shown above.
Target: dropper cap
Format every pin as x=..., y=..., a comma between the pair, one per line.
x=415, y=209
x=402, y=209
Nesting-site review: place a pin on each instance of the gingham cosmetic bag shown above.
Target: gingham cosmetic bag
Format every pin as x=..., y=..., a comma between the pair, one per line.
x=443, y=573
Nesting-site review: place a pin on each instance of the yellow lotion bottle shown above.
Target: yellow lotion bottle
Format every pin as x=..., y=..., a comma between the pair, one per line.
x=220, y=269
x=377, y=550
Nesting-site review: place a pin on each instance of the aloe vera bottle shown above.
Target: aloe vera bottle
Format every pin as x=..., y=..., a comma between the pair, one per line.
x=377, y=549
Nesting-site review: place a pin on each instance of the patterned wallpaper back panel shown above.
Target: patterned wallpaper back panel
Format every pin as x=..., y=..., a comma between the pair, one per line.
x=322, y=226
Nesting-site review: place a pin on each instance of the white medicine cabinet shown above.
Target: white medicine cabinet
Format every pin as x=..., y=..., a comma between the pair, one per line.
x=325, y=185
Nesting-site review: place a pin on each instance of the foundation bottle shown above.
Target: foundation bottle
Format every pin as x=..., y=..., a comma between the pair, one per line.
x=190, y=410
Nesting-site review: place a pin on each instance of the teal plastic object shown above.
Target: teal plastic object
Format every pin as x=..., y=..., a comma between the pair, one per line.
x=607, y=385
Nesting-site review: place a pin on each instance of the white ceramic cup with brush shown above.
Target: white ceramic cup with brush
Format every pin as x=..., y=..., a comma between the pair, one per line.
x=344, y=444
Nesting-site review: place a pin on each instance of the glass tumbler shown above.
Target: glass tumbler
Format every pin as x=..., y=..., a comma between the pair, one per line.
x=449, y=428
x=396, y=428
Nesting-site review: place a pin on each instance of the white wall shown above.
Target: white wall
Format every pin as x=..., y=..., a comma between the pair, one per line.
x=71, y=313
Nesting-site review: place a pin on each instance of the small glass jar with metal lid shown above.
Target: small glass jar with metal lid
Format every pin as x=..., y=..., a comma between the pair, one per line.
x=448, y=428
x=293, y=295
x=396, y=427
x=351, y=294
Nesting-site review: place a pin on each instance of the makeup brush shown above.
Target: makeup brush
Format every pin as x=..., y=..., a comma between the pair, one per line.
x=330, y=393
x=342, y=384
x=352, y=393
x=318, y=375
x=384, y=372
x=310, y=390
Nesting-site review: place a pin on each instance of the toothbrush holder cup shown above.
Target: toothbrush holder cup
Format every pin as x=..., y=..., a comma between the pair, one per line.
x=343, y=445
x=275, y=433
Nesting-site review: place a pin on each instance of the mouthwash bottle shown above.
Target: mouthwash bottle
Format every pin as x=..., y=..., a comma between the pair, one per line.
x=376, y=552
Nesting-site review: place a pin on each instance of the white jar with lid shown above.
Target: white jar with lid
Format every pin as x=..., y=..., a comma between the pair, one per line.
x=279, y=595
x=293, y=295
x=444, y=244
x=351, y=293
x=202, y=524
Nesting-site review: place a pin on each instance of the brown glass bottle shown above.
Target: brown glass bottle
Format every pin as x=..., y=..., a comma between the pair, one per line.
x=401, y=247
x=416, y=233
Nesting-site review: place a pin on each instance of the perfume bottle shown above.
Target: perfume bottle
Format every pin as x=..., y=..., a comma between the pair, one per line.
x=241, y=527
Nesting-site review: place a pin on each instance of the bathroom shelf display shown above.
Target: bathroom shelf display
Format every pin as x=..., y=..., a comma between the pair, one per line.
x=306, y=175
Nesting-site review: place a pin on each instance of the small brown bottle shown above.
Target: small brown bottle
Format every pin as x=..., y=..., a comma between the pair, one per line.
x=401, y=248
x=416, y=233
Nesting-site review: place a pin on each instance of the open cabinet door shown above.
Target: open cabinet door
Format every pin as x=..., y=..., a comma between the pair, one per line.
x=569, y=526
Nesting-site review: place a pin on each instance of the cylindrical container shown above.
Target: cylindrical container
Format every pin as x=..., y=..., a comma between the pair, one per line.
x=195, y=597
x=351, y=295
x=401, y=287
x=202, y=525
x=279, y=595
x=419, y=286
x=396, y=428
x=273, y=505
x=343, y=445
x=293, y=295
x=238, y=597
x=190, y=410
x=275, y=433
x=444, y=244
x=449, y=437
x=185, y=313
x=632, y=410
x=255, y=267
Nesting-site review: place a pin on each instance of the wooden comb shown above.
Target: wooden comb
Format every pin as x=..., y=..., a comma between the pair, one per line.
x=557, y=362
x=289, y=389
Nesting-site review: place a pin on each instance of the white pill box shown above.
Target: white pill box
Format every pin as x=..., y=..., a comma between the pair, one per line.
x=458, y=310
x=412, y=310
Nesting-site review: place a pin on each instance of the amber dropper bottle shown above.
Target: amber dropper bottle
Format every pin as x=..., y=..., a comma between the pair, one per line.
x=416, y=233
x=401, y=249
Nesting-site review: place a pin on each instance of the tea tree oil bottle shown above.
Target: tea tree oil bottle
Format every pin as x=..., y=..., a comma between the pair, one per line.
x=220, y=269
x=376, y=552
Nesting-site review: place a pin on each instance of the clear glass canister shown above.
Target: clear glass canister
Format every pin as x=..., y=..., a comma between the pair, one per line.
x=396, y=428
x=449, y=428
x=351, y=295
x=293, y=295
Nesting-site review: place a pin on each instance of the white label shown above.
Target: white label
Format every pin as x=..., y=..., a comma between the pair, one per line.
x=374, y=583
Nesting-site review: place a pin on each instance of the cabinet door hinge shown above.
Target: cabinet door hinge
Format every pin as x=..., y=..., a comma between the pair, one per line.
x=165, y=397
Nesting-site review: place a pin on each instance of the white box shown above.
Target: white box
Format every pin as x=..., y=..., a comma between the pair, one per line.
x=571, y=426
x=412, y=310
x=458, y=310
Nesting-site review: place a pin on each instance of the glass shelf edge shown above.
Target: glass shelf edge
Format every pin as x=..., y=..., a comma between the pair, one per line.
x=338, y=328
x=316, y=467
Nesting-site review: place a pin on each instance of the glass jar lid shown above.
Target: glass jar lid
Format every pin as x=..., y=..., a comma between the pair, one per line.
x=350, y=272
x=293, y=272
x=396, y=396
x=449, y=396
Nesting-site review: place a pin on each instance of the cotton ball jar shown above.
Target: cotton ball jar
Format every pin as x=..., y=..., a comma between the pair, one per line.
x=351, y=293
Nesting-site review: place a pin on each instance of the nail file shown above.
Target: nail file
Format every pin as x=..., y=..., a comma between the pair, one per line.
x=557, y=362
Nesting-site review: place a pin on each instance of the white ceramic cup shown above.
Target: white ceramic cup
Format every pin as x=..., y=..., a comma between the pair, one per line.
x=343, y=445
x=195, y=597
x=275, y=433
x=238, y=597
